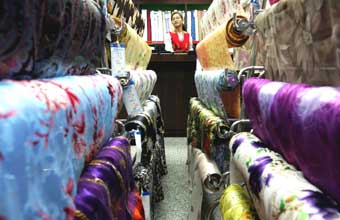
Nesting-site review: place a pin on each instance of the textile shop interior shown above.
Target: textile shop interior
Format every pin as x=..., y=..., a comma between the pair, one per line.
x=166, y=110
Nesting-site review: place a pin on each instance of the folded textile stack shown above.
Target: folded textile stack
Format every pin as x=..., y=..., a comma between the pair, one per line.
x=278, y=190
x=310, y=120
x=106, y=189
x=219, y=90
x=206, y=131
x=42, y=39
x=298, y=41
x=48, y=129
x=236, y=205
x=145, y=81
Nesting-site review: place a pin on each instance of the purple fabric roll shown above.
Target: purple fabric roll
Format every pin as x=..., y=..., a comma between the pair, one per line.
x=302, y=123
x=106, y=183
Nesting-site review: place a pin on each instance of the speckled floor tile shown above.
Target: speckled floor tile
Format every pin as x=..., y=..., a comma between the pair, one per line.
x=176, y=204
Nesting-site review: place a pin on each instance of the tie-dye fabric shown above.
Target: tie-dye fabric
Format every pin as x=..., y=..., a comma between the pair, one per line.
x=48, y=129
x=301, y=122
x=278, y=190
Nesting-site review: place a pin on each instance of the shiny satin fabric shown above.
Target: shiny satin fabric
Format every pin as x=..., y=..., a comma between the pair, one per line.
x=298, y=41
x=235, y=204
x=206, y=131
x=145, y=81
x=301, y=122
x=220, y=92
x=43, y=39
x=106, y=188
x=137, y=51
x=278, y=190
x=49, y=128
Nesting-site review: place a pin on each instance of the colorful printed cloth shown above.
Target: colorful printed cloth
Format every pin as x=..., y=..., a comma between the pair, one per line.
x=106, y=189
x=48, y=129
x=219, y=90
x=298, y=41
x=145, y=81
x=206, y=131
x=279, y=191
x=299, y=121
x=43, y=39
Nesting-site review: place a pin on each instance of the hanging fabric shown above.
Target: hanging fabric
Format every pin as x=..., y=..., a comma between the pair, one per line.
x=278, y=190
x=219, y=90
x=49, y=128
x=301, y=122
x=145, y=81
x=43, y=39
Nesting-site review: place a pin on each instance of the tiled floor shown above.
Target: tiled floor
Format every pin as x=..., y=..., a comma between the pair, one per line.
x=176, y=204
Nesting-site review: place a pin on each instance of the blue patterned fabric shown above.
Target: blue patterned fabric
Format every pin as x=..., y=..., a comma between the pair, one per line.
x=48, y=129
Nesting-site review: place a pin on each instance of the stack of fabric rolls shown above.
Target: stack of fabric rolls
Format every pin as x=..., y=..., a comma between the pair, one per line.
x=106, y=189
x=59, y=115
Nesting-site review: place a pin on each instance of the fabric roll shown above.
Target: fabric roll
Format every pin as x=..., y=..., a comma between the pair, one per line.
x=145, y=81
x=48, y=129
x=211, y=177
x=137, y=51
x=106, y=189
x=213, y=51
x=236, y=205
x=43, y=39
x=219, y=90
x=206, y=131
x=307, y=51
x=278, y=190
x=310, y=119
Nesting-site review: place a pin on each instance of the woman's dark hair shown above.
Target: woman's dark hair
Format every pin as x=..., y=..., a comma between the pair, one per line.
x=180, y=14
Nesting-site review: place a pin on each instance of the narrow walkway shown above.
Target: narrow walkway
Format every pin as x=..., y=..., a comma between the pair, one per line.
x=175, y=205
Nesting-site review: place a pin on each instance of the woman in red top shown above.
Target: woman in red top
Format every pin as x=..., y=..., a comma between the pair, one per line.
x=180, y=39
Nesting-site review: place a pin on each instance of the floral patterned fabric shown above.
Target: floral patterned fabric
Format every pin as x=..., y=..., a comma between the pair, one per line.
x=298, y=41
x=145, y=81
x=206, y=131
x=219, y=91
x=278, y=190
x=49, y=128
x=43, y=39
x=299, y=121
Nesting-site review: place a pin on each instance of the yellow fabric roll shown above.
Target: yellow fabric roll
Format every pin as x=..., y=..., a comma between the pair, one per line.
x=137, y=51
x=236, y=205
x=213, y=50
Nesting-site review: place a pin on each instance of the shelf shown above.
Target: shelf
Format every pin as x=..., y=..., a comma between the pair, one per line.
x=182, y=57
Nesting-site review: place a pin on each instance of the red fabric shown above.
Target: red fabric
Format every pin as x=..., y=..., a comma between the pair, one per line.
x=178, y=45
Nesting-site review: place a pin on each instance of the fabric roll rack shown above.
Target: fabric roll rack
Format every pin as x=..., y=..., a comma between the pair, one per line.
x=49, y=128
x=278, y=190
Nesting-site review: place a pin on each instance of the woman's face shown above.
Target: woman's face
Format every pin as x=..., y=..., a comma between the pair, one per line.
x=177, y=20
